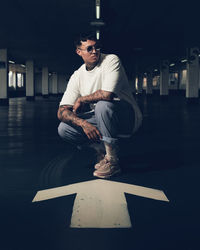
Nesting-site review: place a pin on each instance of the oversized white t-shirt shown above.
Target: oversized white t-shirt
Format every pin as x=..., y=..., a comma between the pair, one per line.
x=108, y=75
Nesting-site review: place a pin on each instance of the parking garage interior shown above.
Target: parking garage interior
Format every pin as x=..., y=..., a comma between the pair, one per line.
x=158, y=44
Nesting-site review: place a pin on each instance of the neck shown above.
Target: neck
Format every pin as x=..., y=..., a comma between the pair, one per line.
x=90, y=66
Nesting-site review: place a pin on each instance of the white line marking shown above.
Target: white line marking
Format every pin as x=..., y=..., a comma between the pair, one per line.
x=100, y=203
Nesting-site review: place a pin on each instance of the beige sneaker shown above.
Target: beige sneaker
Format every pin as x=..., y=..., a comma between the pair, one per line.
x=107, y=169
x=103, y=160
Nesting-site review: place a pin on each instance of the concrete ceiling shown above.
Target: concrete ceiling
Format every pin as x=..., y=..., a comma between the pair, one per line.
x=140, y=32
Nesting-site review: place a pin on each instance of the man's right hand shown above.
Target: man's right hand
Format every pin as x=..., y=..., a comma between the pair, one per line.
x=91, y=131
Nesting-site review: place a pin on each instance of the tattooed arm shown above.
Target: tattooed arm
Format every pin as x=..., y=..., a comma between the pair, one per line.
x=96, y=96
x=66, y=115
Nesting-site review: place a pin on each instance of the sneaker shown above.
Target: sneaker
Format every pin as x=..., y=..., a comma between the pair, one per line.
x=107, y=170
x=103, y=161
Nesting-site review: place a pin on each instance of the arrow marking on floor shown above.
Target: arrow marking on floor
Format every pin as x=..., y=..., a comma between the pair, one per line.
x=100, y=203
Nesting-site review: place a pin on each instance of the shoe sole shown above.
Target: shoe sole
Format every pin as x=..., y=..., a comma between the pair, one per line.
x=107, y=176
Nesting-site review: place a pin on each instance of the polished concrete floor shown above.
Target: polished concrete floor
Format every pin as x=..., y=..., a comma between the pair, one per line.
x=163, y=155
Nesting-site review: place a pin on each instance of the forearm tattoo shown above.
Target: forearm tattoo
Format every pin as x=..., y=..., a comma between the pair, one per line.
x=66, y=115
x=97, y=96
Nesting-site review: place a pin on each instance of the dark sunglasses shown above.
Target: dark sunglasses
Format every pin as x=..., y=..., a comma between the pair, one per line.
x=89, y=49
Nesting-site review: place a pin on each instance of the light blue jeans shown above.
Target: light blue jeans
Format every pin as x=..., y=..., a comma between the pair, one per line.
x=110, y=117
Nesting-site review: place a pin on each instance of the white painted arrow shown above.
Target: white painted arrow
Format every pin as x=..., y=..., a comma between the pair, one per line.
x=100, y=203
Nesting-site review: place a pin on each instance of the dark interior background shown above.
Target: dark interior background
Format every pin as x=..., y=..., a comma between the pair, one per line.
x=140, y=32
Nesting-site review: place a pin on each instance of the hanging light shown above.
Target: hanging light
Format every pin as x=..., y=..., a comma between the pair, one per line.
x=97, y=9
x=98, y=34
x=184, y=60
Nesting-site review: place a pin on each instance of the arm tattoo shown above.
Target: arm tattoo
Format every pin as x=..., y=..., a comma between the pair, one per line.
x=98, y=96
x=66, y=115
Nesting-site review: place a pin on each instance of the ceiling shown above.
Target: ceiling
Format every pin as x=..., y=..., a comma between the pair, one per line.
x=141, y=32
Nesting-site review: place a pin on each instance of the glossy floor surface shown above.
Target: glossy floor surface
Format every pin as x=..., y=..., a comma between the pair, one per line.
x=163, y=155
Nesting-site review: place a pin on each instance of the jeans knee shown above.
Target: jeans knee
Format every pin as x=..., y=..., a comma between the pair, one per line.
x=61, y=130
x=103, y=107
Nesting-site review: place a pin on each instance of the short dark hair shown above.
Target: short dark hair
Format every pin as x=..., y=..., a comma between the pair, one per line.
x=83, y=37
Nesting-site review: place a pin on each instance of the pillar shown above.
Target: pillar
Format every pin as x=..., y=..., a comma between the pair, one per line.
x=62, y=83
x=50, y=84
x=38, y=83
x=3, y=77
x=149, y=88
x=15, y=80
x=30, y=93
x=199, y=76
x=132, y=85
x=140, y=84
x=192, y=80
x=45, y=82
x=54, y=84
x=164, y=78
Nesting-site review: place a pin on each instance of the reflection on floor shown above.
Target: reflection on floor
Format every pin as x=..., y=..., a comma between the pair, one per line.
x=163, y=155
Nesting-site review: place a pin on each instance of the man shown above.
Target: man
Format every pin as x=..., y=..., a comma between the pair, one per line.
x=101, y=80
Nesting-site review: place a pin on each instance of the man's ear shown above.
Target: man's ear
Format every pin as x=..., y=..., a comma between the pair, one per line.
x=78, y=52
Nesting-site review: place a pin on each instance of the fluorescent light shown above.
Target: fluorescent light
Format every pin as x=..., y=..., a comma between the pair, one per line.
x=172, y=64
x=97, y=12
x=11, y=62
x=155, y=70
x=97, y=34
x=184, y=60
x=23, y=65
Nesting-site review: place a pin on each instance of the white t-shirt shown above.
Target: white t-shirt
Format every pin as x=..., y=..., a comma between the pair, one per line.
x=108, y=75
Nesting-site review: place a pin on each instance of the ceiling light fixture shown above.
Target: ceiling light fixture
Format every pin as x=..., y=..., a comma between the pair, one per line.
x=97, y=34
x=97, y=9
x=184, y=60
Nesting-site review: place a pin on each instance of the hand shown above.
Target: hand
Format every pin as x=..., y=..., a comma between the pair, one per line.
x=77, y=105
x=91, y=131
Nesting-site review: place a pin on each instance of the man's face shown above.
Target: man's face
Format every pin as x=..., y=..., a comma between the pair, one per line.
x=90, y=58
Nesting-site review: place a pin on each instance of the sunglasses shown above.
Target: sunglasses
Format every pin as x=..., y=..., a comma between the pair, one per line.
x=89, y=49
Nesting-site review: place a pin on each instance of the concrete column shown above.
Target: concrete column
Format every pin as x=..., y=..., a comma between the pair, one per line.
x=45, y=82
x=179, y=79
x=183, y=77
x=192, y=80
x=54, y=84
x=134, y=83
x=15, y=80
x=3, y=77
x=30, y=94
x=164, y=78
x=199, y=76
x=38, y=84
x=50, y=84
x=149, y=88
x=62, y=83
x=140, y=84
